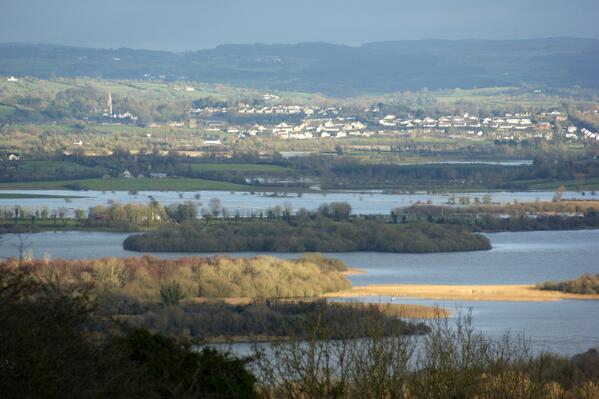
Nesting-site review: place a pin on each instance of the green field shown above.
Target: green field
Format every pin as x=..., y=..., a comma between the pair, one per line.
x=587, y=184
x=26, y=196
x=235, y=167
x=51, y=166
x=127, y=185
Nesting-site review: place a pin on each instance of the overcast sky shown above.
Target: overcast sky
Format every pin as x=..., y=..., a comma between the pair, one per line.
x=193, y=25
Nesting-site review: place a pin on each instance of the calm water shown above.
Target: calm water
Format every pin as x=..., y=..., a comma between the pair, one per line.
x=567, y=327
x=246, y=203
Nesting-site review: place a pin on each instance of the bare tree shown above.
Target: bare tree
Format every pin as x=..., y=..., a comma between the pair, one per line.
x=214, y=205
x=559, y=193
x=22, y=245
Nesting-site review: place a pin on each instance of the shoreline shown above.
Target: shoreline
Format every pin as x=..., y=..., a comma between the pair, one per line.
x=508, y=293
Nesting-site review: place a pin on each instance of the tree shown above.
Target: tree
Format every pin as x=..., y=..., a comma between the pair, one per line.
x=171, y=293
x=337, y=210
x=579, y=181
x=557, y=196
x=182, y=212
x=214, y=206
x=179, y=372
x=22, y=246
x=79, y=213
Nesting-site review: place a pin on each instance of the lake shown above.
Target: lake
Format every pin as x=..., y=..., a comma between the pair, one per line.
x=365, y=203
x=566, y=327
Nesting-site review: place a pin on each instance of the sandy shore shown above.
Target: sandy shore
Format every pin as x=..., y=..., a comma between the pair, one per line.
x=519, y=293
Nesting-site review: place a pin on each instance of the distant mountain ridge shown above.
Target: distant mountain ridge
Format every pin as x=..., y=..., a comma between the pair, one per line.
x=330, y=68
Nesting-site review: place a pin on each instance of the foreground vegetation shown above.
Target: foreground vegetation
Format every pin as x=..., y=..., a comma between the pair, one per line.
x=313, y=236
x=452, y=361
x=587, y=284
x=50, y=348
x=54, y=341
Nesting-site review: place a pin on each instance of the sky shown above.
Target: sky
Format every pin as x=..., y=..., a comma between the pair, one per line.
x=181, y=25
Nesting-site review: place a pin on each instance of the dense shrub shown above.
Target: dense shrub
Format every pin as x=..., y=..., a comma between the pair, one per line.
x=47, y=351
x=587, y=284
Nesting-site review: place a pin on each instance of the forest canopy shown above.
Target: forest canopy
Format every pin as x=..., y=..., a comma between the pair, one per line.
x=317, y=236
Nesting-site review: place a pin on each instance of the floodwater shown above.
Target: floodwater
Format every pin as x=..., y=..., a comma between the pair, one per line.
x=246, y=203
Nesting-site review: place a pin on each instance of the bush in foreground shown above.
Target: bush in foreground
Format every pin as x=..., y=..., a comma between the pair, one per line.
x=48, y=351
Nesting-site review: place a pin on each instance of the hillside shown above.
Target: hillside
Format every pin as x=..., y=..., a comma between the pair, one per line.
x=329, y=68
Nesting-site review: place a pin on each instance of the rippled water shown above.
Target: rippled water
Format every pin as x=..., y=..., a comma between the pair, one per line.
x=567, y=327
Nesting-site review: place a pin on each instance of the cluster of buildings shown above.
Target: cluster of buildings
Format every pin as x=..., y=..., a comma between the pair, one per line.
x=589, y=135
x=279, y=109
x=506, y=127
x=507, y=122
x=310, y=129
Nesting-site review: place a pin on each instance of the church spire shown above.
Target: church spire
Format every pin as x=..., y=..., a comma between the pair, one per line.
x=109, y=102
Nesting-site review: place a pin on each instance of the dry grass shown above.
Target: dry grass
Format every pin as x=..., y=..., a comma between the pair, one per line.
x=519, y=293
x=405, y=310
x=389, y=309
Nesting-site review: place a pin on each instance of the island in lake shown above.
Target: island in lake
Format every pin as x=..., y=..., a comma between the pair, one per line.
x=322, y=235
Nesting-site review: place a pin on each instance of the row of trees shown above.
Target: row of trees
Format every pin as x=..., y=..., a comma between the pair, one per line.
x=140, y=215
x=520, y=217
